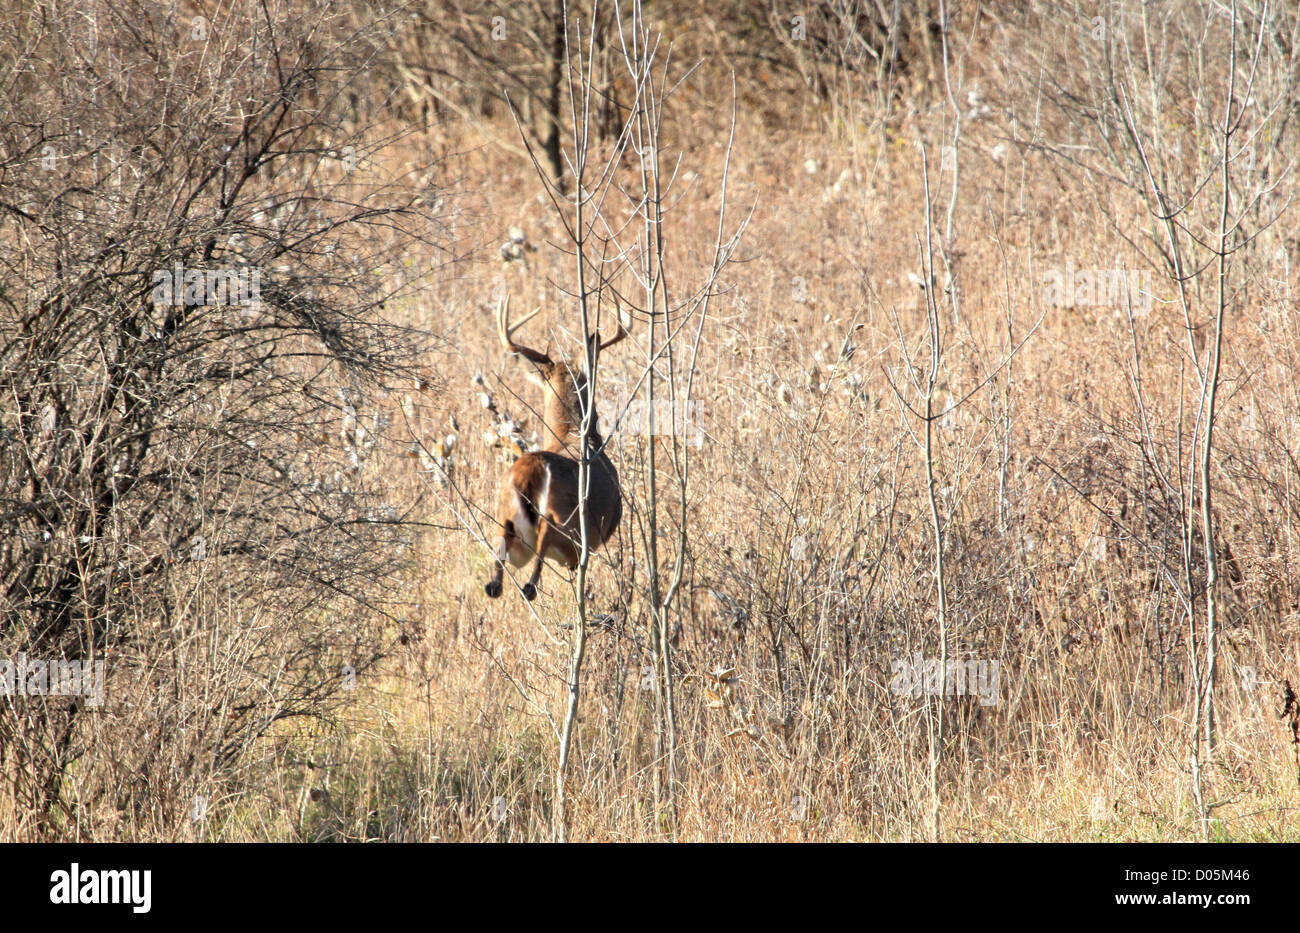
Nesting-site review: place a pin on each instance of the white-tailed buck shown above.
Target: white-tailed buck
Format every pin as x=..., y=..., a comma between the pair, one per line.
x=537, y=513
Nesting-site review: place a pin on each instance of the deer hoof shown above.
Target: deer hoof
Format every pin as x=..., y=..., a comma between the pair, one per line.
x=492, y=588
x=530, y=592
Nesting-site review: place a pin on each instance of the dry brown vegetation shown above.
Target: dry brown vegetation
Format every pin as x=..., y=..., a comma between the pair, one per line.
x=757, y=700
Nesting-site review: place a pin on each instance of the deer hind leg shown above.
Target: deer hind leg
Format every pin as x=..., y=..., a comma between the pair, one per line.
x=517, y=518
x=504, y=543
x=544, y=530
x=543, y=534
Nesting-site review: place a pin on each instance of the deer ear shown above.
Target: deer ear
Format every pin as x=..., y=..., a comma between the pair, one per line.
x=532, y=376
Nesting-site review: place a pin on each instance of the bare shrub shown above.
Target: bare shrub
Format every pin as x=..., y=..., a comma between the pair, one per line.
x=197, y=262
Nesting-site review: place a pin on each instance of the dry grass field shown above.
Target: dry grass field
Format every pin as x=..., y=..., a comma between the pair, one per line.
x=762, y=633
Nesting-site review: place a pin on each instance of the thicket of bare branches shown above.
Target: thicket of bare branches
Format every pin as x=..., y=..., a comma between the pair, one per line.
x=473, y=61
x=1181, y=123
x=468, y=60
x=194, y=299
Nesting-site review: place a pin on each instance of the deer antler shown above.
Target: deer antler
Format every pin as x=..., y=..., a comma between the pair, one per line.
x=622, y=331
x=505, y=330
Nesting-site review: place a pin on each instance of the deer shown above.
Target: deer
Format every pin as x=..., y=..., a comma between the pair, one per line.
x=537, y=513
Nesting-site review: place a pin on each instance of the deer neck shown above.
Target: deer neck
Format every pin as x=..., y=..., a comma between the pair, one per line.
x=562, y=416
x=559, y=416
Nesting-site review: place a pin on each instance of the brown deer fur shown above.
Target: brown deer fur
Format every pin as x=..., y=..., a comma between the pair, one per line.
x=537, y=515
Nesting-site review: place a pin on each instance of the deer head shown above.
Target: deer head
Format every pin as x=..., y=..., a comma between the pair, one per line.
x=564, y=390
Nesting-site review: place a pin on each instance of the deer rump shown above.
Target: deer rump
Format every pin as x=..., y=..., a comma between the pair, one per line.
x=545, y=483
